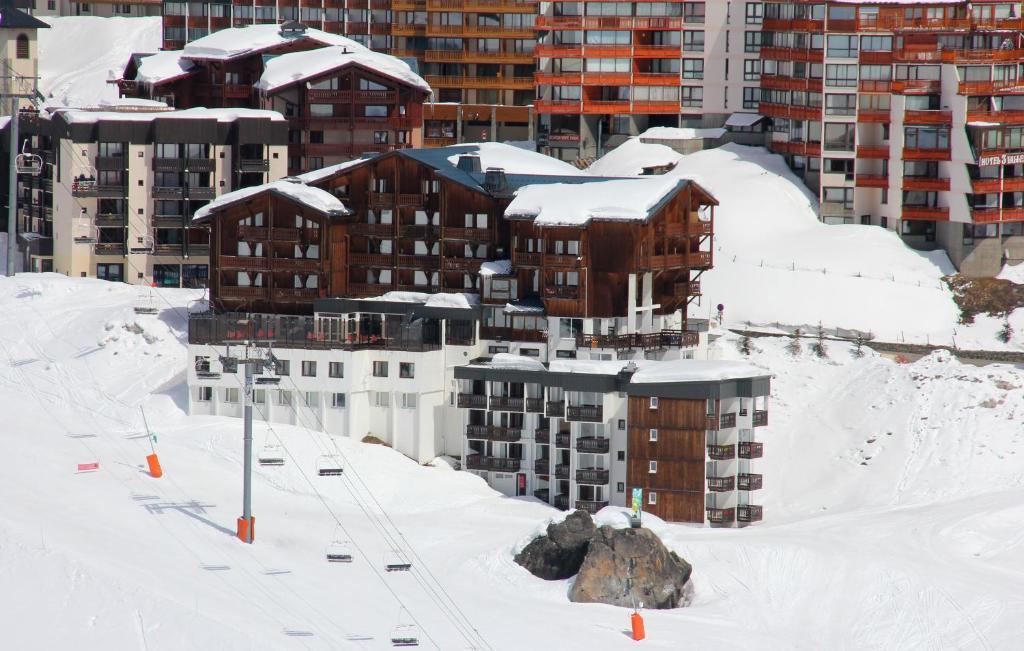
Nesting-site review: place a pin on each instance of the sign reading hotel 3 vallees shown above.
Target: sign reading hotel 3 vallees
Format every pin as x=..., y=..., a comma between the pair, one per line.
x=1003, y=159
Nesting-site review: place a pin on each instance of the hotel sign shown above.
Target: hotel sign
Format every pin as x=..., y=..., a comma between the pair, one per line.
x=1004, y=159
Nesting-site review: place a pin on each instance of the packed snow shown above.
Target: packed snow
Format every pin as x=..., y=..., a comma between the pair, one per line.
x=307, y=195
x=293, y=67
x=78, y=55
x=682, y=133
x=496, y=268
x=456, y=300
x=892, y=496
x=1012, y=272
x=695, y=370
x=577, y=204
x=631, y=157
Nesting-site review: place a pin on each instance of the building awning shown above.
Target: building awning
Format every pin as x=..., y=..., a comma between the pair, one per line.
x=743, y=119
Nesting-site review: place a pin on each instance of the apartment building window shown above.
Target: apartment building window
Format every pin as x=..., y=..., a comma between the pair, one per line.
x=842, y=75
x=693, y=68
x=876, y=44
x=652, y=467
x=925, y=138
x=259, y=396
x=312, y=399
x=620, y=487
x=113, y=272
x=406, y=370
x=751, y=69
x=620, y=455
x=381, y=399
x=875, y=73
x=842, y=46
x=929, y=73
x=839, y=166
x=693, y=41
x=231, y=395
x=652, y=497
x=380, y=137
x=407, y=400
x=653, y=435
x=494, y=350
x=840, y=104
x=754, y=13
x=283, y=367
x=174, y=8
x=229, y=364
x=840, y=196
x=621, y=424
x=337, y=401
x=653, y=403
x=693, y=13
x=308, y=369
x=204, y=394
x=284, y=398
x=839, y=136
x=565, y=354
x=751, y=98
x=336, y=369
x=751, y=41
x=529, y=352
x=380, y=369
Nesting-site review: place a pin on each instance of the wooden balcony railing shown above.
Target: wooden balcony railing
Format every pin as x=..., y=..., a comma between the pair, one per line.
x=562, y=471
x=471, y=401
x=512, y=334
x=562, y=502
x=593, y=444
x=469, y=234
x=245, y=263
x=562, y=441
x=372, y=259
x=555, y=410
x=592, y=476
x=478, y=462
x=527, y=259
x=927, y=213
x=372, y=230
x=586, y=413
x=505, y=403
x=535, y=405
x=562, y=291
x=645, y=341
x=542, y=435
x=872, y=181
x=462, y=264
x=746, y=481
x=542, y=466
x=243, y=293
x=928, y=117
x=426, y=262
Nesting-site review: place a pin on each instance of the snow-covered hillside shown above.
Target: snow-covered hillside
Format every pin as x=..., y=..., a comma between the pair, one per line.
x=892, y=497
x=78, y=53
x=775, y=263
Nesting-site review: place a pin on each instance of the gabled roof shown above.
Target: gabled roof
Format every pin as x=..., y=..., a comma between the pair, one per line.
x=162, y=67
x=292, y=68
x=11, y=18
x=241, y=41
x=291, y=188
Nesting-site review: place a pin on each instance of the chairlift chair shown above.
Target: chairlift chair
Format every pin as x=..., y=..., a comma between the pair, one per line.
x=405, y=635
x=395, y=561
x=85, y=232
x=270, y=455
x=147, y=305
x=339, y=551
x=28, y=163
x=329, y=466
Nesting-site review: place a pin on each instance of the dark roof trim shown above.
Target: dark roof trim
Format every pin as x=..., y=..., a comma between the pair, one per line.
x=367, y=306
x=11, y=18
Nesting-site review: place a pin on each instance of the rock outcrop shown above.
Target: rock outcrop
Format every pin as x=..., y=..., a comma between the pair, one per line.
x=627, y=567
x=559, y=554
x=621, y=567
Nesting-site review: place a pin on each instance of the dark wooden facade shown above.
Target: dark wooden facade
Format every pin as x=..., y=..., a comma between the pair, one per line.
x=679, y=451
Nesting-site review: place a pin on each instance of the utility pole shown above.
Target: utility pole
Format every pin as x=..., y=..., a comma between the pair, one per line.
x=246, y=525
x=12, y=187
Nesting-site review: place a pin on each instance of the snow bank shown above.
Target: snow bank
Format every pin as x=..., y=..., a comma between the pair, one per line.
x=457, y=300
x=631, y=157
x=237, y=41
x=305, y=194
x=692, y=370
x=681, y=133
x=163, y=66
x=508, y=361
x=288, y=69
x=79, y=54
x=576, y=204
x=1012, y=272
x=515, y=160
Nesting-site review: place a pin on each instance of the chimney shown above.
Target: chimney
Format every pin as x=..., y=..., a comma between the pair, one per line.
x=495, y=180
x=469, y=163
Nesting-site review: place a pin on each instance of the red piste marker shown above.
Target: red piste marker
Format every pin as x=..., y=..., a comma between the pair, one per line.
x=89, y=467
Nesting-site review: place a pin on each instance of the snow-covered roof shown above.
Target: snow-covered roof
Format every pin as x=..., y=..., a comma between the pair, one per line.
x=456, y=300
x=326, y=172
x=632, y=157
x=743, y=119
x=572, y=204
x=238, y=41
x=305, y=194
x=587, y=366
x=294, y=67
x=516, y=160
x=79, y=116
x=129, y=103
x=163, y=67
x=681, y=133
x=512, y=362
x=496, y=268
x=694, y=370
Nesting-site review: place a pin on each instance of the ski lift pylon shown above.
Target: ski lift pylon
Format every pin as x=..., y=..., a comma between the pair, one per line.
x=329, y=465
x=395, y=561
x=28, y=163
x=271, y=455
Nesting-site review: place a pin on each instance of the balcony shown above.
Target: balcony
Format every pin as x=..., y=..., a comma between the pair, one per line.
x=749, y=481
x=542, y=466
x=585, y=413
x=371, y=259
x=297, y=265
x=168, y=192
x=722, y=452
x=253, y=165
x=107, y=248
x=359, y=96
x=513, y=83
x=543, y=494
x=593, y=445
x=727, y=420
x=760, y=418
x=471, y=265
x=751, y=450
x=542, y=435
x=477, y=462
x=873, y=116
x=749, y=513
x=468, y=234
x=478, y=56
x=561, y=261
x=372, y=230
x=505, y=403
x=928, y=117
x=570, y=292
x=593, y=476
x=926, y=184
x=535, y=405
x=512, y=334
x=562, y=502
x=590, y=506
x=526, y=259
x=244, y=263
x=472, y=401
x=555, y=409
x=562, y=471
x=874, y=152
x=684, y=290
x=494, y=433
x=721, y=484
x=111, y=163
x=914, y=153
x=288, y=294
x=645, y=341
x=561, y=439
x=111, y=220
x=926, y=213
x=243, y=293
x=168, y=164
x=872, y=181
x=424, y=262
x=201, y=193
x=420, y=231
x=721, y=516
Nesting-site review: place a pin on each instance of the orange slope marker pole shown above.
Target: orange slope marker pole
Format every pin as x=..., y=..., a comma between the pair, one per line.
x=151, y=459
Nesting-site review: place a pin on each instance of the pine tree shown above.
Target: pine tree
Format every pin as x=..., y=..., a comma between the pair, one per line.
x=818, y=347
x=1005, y=333
x=746, y=345
x=793, y=347
x=858, y=346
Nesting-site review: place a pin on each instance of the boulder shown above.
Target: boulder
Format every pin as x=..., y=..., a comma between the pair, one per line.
x=559, y=554
x=627, y=567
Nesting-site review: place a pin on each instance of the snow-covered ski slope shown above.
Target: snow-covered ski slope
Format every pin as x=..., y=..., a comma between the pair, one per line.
x=776, y=263
x=78, y=53
x=892, y=502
